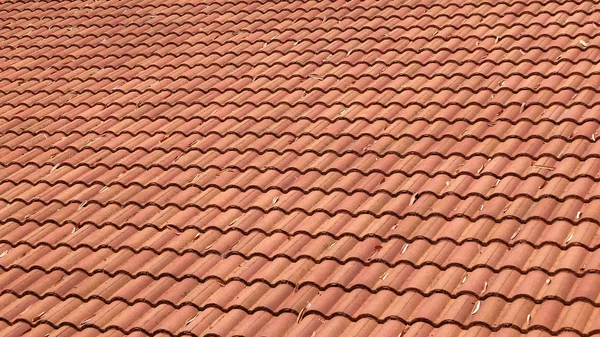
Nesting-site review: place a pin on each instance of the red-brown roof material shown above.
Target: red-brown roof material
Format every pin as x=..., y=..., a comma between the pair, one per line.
x=299, y=168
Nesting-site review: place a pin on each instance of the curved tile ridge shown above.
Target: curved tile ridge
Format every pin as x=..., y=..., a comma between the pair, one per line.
x=439, y=189
x=357, y=136
x=500, y=130
x=374, y=278
x=406, y=291
x=15, y=79
x=79, y=328
x=425, y=206
x=259, y=223
x=461, y=54
x=212, y=47
x=280, y=119
x=514, y=84
x=394, y=73
x=569, y=270
x=264, y=2
x=338, y=129
x=393, y=237
x=379, y=35
x=247, y=112
x=324, y=312
x=587, y=151
x=491, y=296
x=411, y=228
x=87, y=248
x=431, y=62
x=570, y=169
x=445, y=99
x=308, y=24
x=287, y=319
x=467, y=269
x=467, y=7
x=534, y=234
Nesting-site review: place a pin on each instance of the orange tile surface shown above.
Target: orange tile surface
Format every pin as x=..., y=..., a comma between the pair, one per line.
x=300, y=168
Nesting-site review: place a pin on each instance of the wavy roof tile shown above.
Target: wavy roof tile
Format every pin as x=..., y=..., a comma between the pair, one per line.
x=300, y=168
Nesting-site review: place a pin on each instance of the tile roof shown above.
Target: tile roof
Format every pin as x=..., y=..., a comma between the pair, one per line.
x=299, y=168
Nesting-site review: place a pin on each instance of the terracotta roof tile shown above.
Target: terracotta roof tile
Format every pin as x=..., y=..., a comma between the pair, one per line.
x=299, y=168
